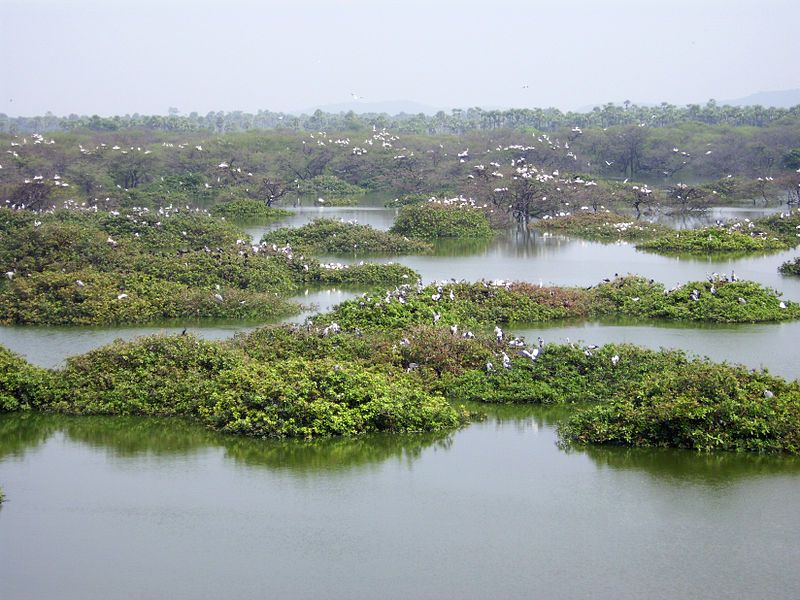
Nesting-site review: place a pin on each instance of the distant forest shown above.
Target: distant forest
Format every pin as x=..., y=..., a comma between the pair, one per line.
x=456, y=122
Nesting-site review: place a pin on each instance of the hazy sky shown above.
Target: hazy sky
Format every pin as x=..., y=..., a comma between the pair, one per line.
x=118, y=56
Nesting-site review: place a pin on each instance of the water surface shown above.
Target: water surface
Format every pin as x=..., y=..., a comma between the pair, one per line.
x=112, y=508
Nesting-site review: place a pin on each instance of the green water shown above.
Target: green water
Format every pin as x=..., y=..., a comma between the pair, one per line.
x=134, y=508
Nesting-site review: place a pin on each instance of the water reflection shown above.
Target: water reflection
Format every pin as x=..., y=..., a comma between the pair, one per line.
x=137, y=437
x=687, y=466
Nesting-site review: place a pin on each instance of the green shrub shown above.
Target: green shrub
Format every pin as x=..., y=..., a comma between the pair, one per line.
x=87, y=267
x=329, y=185
x=790, y=267
x=563, y=374
x=222, y=387
x=245, y=209
x=313, y=398
x=431, y=220
x=20, y=383
x=730, y=302
x=473, y=305
x=713, y=239
x=704, y=407
x=602, y=226
x=416, y=199
x=56, y=298
x=367, y=274
x=332, y=237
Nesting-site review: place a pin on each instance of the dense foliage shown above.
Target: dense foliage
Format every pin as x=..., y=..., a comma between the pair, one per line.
x=776, y=232
x=433, y=220
x=516, y=171
x=703, y=406
x=76, y=266
x=707, y=240
x=457, y=121
x=330, y=188
x=327, y=236
x=791, y=267
x=245, y=209
x=474, y=305
x=224, y=388
x=274, y=383
x=602, y=226
x=19, y=382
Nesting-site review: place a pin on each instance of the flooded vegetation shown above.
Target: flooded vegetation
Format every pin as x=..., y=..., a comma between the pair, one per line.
x=269, y=334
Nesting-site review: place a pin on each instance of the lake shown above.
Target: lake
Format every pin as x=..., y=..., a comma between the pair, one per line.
x=146, y=508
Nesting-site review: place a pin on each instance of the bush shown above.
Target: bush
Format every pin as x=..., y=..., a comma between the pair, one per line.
x=704, y=407
x=431, y=221
x=713, y=239
x=564, y=374
x=56, y=298
x=416, y=199
x=471, y=305
x=790, y=267
x=730, y=302
x=602, y=226
x=332, y=237
x=329, y=185
x=20, y=382
x=245, y=209
x=222, y=387
x=88, y=267
x=313, y=398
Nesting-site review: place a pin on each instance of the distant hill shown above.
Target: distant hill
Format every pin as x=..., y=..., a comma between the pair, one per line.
x=391, y=107
x=778, y=99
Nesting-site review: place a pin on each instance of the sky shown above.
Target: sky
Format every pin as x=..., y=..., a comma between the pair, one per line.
x=120, y=56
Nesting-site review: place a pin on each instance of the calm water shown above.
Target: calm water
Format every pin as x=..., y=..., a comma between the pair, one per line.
x=134, y=508
x=129, y=508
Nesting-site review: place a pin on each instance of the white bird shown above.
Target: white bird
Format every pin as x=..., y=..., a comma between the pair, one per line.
x=782, y=304
x=506, y=361
x=615, y=360
x=218, y=297
x=79, y=283
x=121, y=296
x=498, y=333
x=454, y=329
